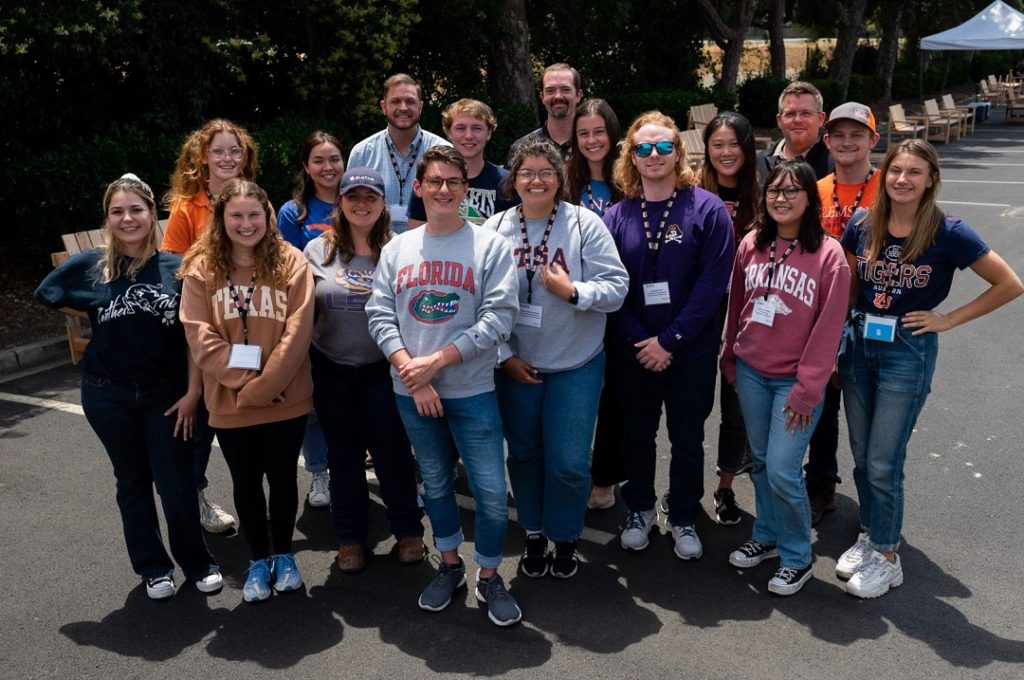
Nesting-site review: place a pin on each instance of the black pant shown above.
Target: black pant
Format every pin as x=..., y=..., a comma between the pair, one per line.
x=821, y=460
x=606, y=467
x=255, y=451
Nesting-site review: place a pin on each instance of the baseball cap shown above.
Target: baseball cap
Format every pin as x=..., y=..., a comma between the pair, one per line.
x=852, y=111
x=361, y=177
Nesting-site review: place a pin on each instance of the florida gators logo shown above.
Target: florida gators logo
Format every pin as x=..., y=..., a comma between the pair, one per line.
x=431, y=306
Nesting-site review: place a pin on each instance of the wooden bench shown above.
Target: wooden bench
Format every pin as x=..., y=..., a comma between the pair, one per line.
x=77, y=322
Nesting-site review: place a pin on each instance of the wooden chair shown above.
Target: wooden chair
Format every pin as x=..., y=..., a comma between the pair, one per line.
x=901, y=125
x=945, y=125
x=1014, y=109
x=694, y=142
x=995, y=96
x=77, y=322
x=966, y=113
x=699, y=116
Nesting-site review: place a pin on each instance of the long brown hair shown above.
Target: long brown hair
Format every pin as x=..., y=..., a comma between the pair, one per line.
x=339, y=242
x=305, y=188
x=626, y=174
x=191, y=172
x=928, y=216
x=747, y=187
x=109, y=266
x=214, y=247
x=578, y=168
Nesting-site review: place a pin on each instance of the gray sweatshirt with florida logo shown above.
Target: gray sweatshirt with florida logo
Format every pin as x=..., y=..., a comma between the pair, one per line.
x=433, y=290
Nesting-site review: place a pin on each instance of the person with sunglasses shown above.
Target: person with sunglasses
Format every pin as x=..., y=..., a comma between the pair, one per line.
x=676, y=242
x=444, y=299
x=788, y=299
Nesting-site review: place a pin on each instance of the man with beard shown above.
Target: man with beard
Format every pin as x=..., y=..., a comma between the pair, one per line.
x=395, y=150
x=800, y=117
x=560, y=92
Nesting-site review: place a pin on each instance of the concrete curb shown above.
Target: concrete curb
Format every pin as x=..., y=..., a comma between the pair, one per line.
x=24, y=357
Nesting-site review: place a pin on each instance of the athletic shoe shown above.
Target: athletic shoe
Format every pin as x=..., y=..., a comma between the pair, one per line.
x=257, y=583
x=212, y=517
x=160, y=587
x=211, y=583
x=438, y=593
x=851, y=560
x=601, y=497
x=564, y=561
x=320, y=490
x=726, y=510
x=687, y=542
x=751, y=554
x=789, y=581
x=638, y=525
x=286, y=573
x=502, y=608
x=875, y=576
x=534, y=562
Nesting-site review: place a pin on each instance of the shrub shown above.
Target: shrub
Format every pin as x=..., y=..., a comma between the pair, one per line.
x=866, y=89
x=759, y=99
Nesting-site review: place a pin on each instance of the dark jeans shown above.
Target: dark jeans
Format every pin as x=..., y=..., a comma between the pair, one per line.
x=606, y=466
x=356, y=408
x=130, y=422
x=733, y=449
x=200, y=445
x=821, y=460
x=687, y=388
x=268, y=450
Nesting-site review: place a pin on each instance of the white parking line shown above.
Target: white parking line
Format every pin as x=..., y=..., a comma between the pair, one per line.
x=979, y=181
x=984, y=205
x=43, y=403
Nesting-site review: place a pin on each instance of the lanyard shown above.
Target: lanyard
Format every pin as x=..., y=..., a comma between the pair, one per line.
x=531, y=260
x=243, y=309
x=856, y=201
x=883, y=301
x=772, y=263
x=399, y=175
x=654, y=242
x=588, y=196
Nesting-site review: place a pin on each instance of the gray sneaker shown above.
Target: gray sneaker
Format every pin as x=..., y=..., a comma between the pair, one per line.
x=502, y=608
x=688, y=546
x=638, y=525
x=438, y=594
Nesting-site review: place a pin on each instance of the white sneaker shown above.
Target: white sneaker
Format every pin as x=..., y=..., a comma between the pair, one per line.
x=160, y=587
x=320, y=489
x=850, y=560
x=212, y=517
x=638, y=525
x=210, y=583
x=875, y=576
x=688, y=545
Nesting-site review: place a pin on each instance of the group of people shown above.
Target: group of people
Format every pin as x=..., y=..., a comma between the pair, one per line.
x=431, y=307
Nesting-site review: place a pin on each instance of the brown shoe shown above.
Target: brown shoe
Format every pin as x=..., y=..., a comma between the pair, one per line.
x=411, y=550
x=822, y=495
x=351, y=558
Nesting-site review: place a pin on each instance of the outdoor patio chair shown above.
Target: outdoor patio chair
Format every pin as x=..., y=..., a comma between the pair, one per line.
x=1014, y=109
x=694, y=142
x=700, y=115
x=944, y=124
x=901, y=125
x=996, y=96
x=966, y=113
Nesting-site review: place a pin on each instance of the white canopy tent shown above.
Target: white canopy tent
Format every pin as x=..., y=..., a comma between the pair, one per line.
x=997, y=27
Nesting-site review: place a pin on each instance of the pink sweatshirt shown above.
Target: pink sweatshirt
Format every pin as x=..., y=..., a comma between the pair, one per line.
x=811, y=292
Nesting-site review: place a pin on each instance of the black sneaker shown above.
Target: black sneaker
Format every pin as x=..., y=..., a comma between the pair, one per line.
x=502, y=608
x=751, y=554
x=534, y=562
x=564, y=562
x=726, y=510
x=789, y=581
x=438, y=594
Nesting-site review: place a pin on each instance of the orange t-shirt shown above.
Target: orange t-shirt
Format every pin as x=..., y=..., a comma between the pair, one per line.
x=832, y=222
x=187, y=221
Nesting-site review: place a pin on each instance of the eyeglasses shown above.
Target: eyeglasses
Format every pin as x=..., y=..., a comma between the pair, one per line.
x=454, y=183
x=546, y=175
x=789, y=192
x=235, y=153
x=663, y=148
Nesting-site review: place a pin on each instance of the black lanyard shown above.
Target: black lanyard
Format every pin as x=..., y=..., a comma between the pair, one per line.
x=654, y=241
x=856, y=201
x=531, y=255
x=399, y=175
x=243, y=309
x=892, y=281
x=588, y=196
x=772, y=263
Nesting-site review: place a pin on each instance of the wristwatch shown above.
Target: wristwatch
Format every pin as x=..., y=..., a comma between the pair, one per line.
x=575, y=297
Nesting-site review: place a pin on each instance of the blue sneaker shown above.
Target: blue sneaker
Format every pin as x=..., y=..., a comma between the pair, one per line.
x=439, y=592
x=286, y=573
x=502, y=608
x=257, y=584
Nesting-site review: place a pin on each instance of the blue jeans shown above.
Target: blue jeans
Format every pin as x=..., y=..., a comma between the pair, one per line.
x=130, y=422
x=783, y=511
x=687, y=388
x=885, y=385
x=314, y=445
x=475, y=425
x=358, y=405
x=549, y=428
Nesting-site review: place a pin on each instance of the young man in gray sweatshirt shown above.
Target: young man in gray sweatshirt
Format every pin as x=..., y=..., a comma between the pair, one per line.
x=444, y=299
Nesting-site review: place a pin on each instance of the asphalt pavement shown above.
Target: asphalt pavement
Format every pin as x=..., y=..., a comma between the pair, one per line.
x=74, y=609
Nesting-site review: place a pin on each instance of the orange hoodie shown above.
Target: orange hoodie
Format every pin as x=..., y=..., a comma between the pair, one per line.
x=280, y=321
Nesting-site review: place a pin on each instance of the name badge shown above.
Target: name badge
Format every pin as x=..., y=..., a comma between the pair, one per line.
x=657, y=293
x=398, y=212
x=764, y=311
x=879, y=328
x=245, y=356
x=530, y=315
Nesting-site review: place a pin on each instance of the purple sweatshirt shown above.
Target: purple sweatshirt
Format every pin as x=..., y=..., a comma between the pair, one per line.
x=695, y=258
x=811, y=292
